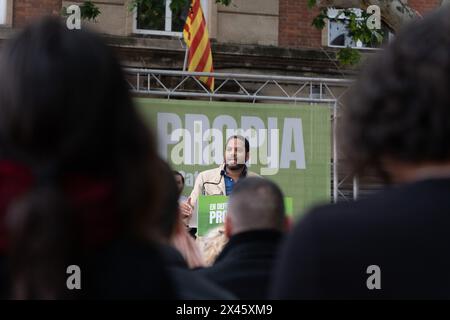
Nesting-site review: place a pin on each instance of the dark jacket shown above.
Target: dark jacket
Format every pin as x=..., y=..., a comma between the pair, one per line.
x=129, y=269
x=123, y=269
x=245, y=265
x=404, y=230
x=188, y=284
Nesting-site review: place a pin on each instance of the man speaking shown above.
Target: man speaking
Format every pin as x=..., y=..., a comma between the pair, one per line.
x=221, y=180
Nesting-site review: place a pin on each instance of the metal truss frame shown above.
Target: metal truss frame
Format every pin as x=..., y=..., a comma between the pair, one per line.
x=251, y=88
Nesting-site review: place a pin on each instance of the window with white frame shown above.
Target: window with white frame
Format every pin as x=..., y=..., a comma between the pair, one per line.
x=3, y=9
x=156, y=17
x=338, y=34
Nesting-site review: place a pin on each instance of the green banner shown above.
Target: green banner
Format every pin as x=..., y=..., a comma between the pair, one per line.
x=289, y=144
x=213, y=209
x=211, y=212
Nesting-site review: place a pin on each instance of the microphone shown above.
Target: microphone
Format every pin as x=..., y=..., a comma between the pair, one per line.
x=222, y=174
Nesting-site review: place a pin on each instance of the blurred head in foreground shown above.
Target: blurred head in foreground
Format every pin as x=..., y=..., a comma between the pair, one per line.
x=172, y=230
x=255, y=204
x=75, y=158
x=397, y=118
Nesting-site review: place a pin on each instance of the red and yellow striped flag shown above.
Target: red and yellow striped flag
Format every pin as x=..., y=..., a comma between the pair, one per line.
x=196, y=37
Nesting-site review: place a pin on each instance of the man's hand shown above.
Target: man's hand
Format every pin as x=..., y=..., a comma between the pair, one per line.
x=186, y=210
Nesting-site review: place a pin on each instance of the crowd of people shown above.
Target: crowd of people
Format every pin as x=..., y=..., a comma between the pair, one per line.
x=81, y=184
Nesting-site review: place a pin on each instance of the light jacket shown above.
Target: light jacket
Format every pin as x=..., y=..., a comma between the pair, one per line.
x=210, y=183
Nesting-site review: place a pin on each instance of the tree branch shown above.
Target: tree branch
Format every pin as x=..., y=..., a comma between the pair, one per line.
x=395, y=13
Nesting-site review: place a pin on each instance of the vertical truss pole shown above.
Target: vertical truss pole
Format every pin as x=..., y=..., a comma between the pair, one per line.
x=355, y=187
x=137, y=82
x=186, y=53
x=335, y=156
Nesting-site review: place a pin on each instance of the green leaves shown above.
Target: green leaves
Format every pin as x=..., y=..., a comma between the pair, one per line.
x=178, y=5
x=151, y=13
x=89, y=11
x=358, y=29
x=348, y=56
x=378, y=36
x=311, y=4
x=320, y=20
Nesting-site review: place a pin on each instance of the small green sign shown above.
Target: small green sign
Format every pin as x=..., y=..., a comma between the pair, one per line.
x=212, y=211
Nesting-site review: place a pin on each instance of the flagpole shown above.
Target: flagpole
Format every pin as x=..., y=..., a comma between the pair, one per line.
x=185, y=58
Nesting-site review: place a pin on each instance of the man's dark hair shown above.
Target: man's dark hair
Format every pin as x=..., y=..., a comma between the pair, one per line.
x=400, y=108
x=256, y=204
x=239, y=137
x=176, y=173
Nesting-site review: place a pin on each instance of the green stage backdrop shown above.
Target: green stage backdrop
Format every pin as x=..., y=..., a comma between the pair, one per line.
x=290, y=144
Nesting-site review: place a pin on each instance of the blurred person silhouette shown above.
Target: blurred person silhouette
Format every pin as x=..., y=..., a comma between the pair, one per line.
x=212, y=243
x=179, y=180
x=179, y=248
x=395, y=243
x=76, y=180
x=186, y=245
x=181, y=199
x=255, y=223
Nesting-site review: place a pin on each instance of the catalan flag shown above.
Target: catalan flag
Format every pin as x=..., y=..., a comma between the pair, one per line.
x=196, y=37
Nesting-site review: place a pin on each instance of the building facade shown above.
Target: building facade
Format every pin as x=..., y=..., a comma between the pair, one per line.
x=253, y=36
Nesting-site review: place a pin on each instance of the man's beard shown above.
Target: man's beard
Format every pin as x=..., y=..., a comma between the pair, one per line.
x=235, y=167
